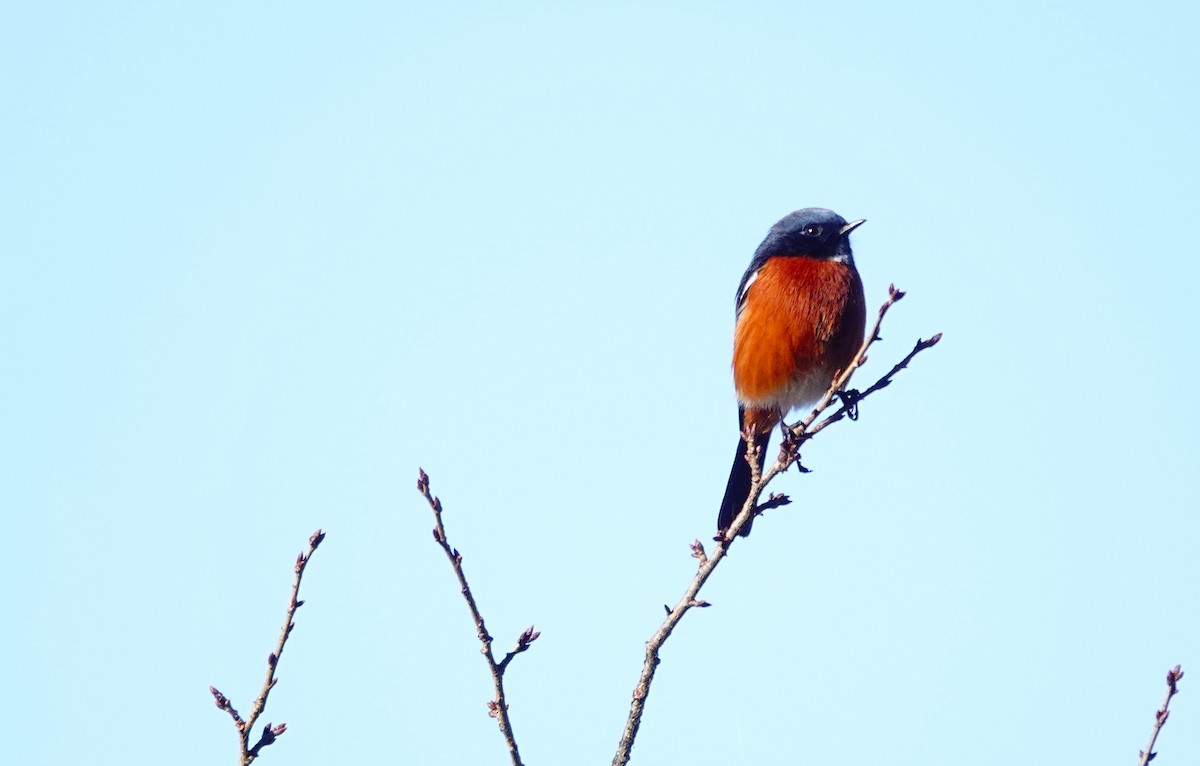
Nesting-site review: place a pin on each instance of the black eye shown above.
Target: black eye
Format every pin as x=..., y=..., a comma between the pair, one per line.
x=812, y=230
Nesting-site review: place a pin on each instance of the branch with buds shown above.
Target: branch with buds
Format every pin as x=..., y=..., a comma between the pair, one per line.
x=497, y=707
x=245, y=727
x=1161, y=715
x=789, y=455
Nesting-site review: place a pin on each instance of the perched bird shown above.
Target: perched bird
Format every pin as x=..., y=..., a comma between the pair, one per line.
x=800, y=320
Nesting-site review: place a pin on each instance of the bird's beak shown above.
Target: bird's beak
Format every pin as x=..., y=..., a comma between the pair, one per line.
x=852, y=226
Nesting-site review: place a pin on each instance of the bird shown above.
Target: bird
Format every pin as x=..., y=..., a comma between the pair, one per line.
x=800, y=316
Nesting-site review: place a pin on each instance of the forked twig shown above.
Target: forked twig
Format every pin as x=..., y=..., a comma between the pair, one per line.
x=498, y=707
x=270, y=732
x=788, y=456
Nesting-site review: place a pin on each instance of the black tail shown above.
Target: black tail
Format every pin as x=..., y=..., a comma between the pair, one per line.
x=738, y=487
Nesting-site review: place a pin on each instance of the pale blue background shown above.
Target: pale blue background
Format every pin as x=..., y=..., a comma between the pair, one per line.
x=260, y=261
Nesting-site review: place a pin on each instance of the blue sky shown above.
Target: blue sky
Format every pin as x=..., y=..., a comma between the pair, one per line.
x=259, y=263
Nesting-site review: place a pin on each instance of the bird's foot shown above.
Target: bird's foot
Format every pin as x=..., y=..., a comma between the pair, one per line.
x=850, y=398
x=790, y=449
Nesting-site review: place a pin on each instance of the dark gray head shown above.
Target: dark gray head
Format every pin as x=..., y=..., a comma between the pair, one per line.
x=814, y=232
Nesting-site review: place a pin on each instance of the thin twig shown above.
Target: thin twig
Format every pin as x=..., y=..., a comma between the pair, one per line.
x=497, y=708
x=883, y=382
x=1161, y=715
x=270, y=732
x=708, y=562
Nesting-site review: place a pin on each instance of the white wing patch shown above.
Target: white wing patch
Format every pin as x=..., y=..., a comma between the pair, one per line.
x=741, y=299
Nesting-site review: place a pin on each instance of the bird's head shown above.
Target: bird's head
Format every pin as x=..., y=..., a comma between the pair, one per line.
x=813, y=232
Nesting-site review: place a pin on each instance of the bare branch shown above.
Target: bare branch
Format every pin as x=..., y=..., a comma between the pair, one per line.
x=1161, y=715
x=270, y=732
x=523, y=641
x=224, y=704
x=851, y=408
x=497, y=708
x=788, y=455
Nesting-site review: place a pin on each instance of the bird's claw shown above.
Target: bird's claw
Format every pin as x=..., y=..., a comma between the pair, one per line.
x=850, y=398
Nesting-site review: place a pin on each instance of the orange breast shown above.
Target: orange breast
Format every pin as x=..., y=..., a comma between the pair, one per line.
x=802, y=321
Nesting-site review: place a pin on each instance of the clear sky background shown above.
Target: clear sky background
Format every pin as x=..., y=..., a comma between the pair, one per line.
x=260, y=261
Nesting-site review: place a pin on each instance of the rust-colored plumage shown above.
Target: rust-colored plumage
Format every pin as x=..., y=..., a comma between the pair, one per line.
x=803, y=321
x=801, y=316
